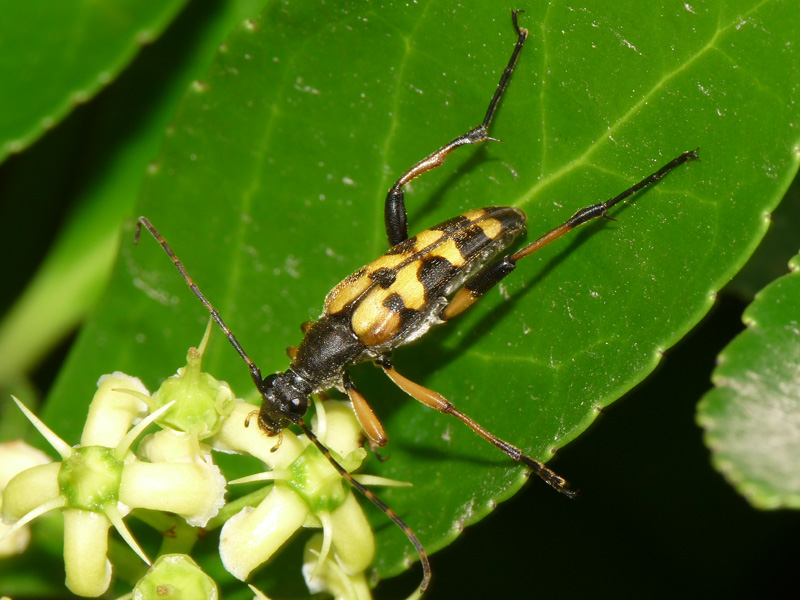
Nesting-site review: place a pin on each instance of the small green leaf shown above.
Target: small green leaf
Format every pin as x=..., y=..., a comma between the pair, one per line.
x=61, y=53
x=270, y=188
x=752, y=417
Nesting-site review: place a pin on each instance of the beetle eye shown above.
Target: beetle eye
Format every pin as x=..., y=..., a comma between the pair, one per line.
x=298, y=405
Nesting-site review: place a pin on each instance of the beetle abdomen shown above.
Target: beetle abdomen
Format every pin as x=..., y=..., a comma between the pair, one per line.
x=391, y=299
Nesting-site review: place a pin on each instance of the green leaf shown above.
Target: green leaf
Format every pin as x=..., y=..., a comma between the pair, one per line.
x=116, y=137
x=61, y=53
x=270, y=188
x=752, y=417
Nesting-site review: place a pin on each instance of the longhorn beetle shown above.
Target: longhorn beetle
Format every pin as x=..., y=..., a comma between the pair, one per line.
x=421, y=281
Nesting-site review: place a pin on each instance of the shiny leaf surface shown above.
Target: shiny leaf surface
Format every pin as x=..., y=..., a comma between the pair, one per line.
x=270, y=188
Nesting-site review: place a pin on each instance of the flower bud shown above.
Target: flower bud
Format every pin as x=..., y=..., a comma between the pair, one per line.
x=175, y=576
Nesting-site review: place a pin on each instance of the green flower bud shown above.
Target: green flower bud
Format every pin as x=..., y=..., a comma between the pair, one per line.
x=175, y=576
x=201, y=401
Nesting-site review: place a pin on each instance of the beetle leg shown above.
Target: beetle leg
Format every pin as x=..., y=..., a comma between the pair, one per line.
x=395, y=209
x=375, y=449
x=365, y=415
x=495, y=272
x=440, y=403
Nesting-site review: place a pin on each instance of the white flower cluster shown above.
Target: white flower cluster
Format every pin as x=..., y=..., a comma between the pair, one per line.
x=100, y=481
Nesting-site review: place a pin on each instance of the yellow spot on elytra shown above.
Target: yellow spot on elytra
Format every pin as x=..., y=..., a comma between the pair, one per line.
x=373, y=323
x=409, y=287
x=491, y=228
x=359, y=282
x=475, y=214
x=387, y=261
x=450, y=251
x=347, y=291
x=426, y=238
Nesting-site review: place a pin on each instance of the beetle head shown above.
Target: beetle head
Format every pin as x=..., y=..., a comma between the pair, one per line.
x=284, y=400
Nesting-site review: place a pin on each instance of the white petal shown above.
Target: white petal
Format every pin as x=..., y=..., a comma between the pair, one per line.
x=196, y=491
x=112, y=412
x=235, y=437
x=29, y=489
x=330, y=578
x=343, y=432
x=85, y=549
x=353, y=540
x=252, y=536
x=15, y=457
x=172, y=446
x=13, y=542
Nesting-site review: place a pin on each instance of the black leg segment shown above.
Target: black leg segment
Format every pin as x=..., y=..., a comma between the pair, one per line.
x=395, y=216
x=495, y=272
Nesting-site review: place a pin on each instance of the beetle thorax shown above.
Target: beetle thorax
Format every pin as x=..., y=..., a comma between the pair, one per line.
x=327, y=348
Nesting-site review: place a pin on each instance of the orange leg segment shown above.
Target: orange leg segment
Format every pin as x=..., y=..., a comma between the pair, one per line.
x=440, y=403
x=370, y=423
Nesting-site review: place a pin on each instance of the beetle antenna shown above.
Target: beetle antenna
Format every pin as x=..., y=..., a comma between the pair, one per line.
x=255, y=372
x=412, y=537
